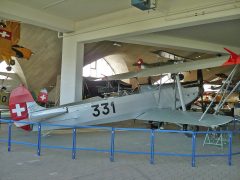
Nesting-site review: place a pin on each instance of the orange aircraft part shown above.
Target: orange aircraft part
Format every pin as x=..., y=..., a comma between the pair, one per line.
x=9, y=38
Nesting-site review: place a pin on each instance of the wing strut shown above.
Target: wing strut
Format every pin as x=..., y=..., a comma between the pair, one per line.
x=224, y=90
x=159, y=89
x=224, y=100
x=180, y=92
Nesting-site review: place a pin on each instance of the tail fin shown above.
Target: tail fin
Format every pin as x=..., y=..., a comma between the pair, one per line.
x=233, y=59
x=20, y=102
x=139, y=63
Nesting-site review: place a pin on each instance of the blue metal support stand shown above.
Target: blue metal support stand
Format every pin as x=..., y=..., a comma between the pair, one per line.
x=152, y=147
x=230, y=149
x=39, y=139
x=9, y=136
x=112, y=145
x=74, y=143
x=193, y=149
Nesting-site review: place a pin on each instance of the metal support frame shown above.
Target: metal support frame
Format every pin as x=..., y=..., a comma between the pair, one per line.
x=223, y=100
x=112, y=145
x=228, y=80
x=39, y=140
x=9, y=136
x=112, y=151
x=230, y=149
x=193, y=149
x=216, y=139
x=74, y=143
x=235, y=87
x=152, y=137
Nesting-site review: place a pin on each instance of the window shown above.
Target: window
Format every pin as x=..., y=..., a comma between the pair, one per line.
x=165, y=79
x=99, y=68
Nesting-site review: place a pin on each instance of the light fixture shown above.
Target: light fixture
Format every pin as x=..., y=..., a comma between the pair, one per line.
x=144, y=4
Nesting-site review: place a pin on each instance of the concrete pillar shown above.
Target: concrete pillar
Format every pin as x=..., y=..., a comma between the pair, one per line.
x=71, y=71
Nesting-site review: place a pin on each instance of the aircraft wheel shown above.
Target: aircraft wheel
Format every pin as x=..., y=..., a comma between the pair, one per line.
x=181, y=77
x=9, y=68
x=12, y=62
x=190, y=128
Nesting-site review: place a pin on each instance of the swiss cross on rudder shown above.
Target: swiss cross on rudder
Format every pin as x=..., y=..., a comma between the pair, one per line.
x=18, y=111
x=43, y=96
x=5, y=34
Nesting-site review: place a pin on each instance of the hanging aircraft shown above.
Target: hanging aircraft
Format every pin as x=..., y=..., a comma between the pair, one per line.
x=153, y=103
x=9, y=48
x=171, y=59
x=143, y=65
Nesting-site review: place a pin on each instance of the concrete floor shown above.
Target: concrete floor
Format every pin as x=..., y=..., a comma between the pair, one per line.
x=22, y=163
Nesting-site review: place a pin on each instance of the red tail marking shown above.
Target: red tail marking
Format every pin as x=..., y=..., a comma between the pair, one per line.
x=43, y=96
x=233, y=59
x=27, y=127
x=18, y=111
x=17, y=105
x=139, y=63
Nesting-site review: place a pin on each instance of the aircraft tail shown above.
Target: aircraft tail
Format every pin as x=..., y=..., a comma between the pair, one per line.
x=139, y=63
x=233, y=59
x=21, y=104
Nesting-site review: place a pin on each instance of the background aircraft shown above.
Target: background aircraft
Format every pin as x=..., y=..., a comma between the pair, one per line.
x=171, y=59
x=9, y=48
x=4, y=98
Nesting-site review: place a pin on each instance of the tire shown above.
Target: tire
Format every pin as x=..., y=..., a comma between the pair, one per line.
x=12, y=62
x=9, y=68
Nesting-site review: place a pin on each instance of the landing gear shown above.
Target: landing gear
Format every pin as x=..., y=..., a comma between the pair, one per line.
x=181, y=76
x=12, y=62
x=187, y=127
x=156, y=125
x=9, y=68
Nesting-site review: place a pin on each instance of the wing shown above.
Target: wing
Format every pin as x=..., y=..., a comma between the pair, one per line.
x=184, y=117
x=173, y=68
x=121, y=76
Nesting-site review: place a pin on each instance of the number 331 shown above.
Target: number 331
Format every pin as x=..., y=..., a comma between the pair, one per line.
x=104, y=107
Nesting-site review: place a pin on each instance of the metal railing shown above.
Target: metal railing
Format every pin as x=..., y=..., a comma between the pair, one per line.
x=112, y=150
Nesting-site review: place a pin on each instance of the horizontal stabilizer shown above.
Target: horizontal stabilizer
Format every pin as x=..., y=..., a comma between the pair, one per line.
x=184, y=117
x=47, y=113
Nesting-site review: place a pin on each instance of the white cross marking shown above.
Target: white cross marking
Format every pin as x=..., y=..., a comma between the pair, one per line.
x=18, y=110
x=43, y=97
x=4, y=34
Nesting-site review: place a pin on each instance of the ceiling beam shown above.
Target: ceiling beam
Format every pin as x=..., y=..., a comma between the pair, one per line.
x=159, y=40
x=15, y=11
x=132, y=23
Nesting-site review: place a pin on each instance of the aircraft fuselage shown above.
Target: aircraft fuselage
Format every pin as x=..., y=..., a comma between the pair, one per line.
x=114, y=109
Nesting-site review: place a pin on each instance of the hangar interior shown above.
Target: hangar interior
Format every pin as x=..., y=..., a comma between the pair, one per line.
x=118, y=33
x=75, y=41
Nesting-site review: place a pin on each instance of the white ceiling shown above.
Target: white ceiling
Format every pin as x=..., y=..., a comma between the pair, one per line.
x=76, y=10
x=224, y=32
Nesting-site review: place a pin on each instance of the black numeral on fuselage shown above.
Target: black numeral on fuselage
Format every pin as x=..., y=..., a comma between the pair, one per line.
x=103, y=108
x=3, y=98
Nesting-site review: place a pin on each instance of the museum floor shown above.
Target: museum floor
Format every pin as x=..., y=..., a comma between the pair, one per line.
x=22, y=163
